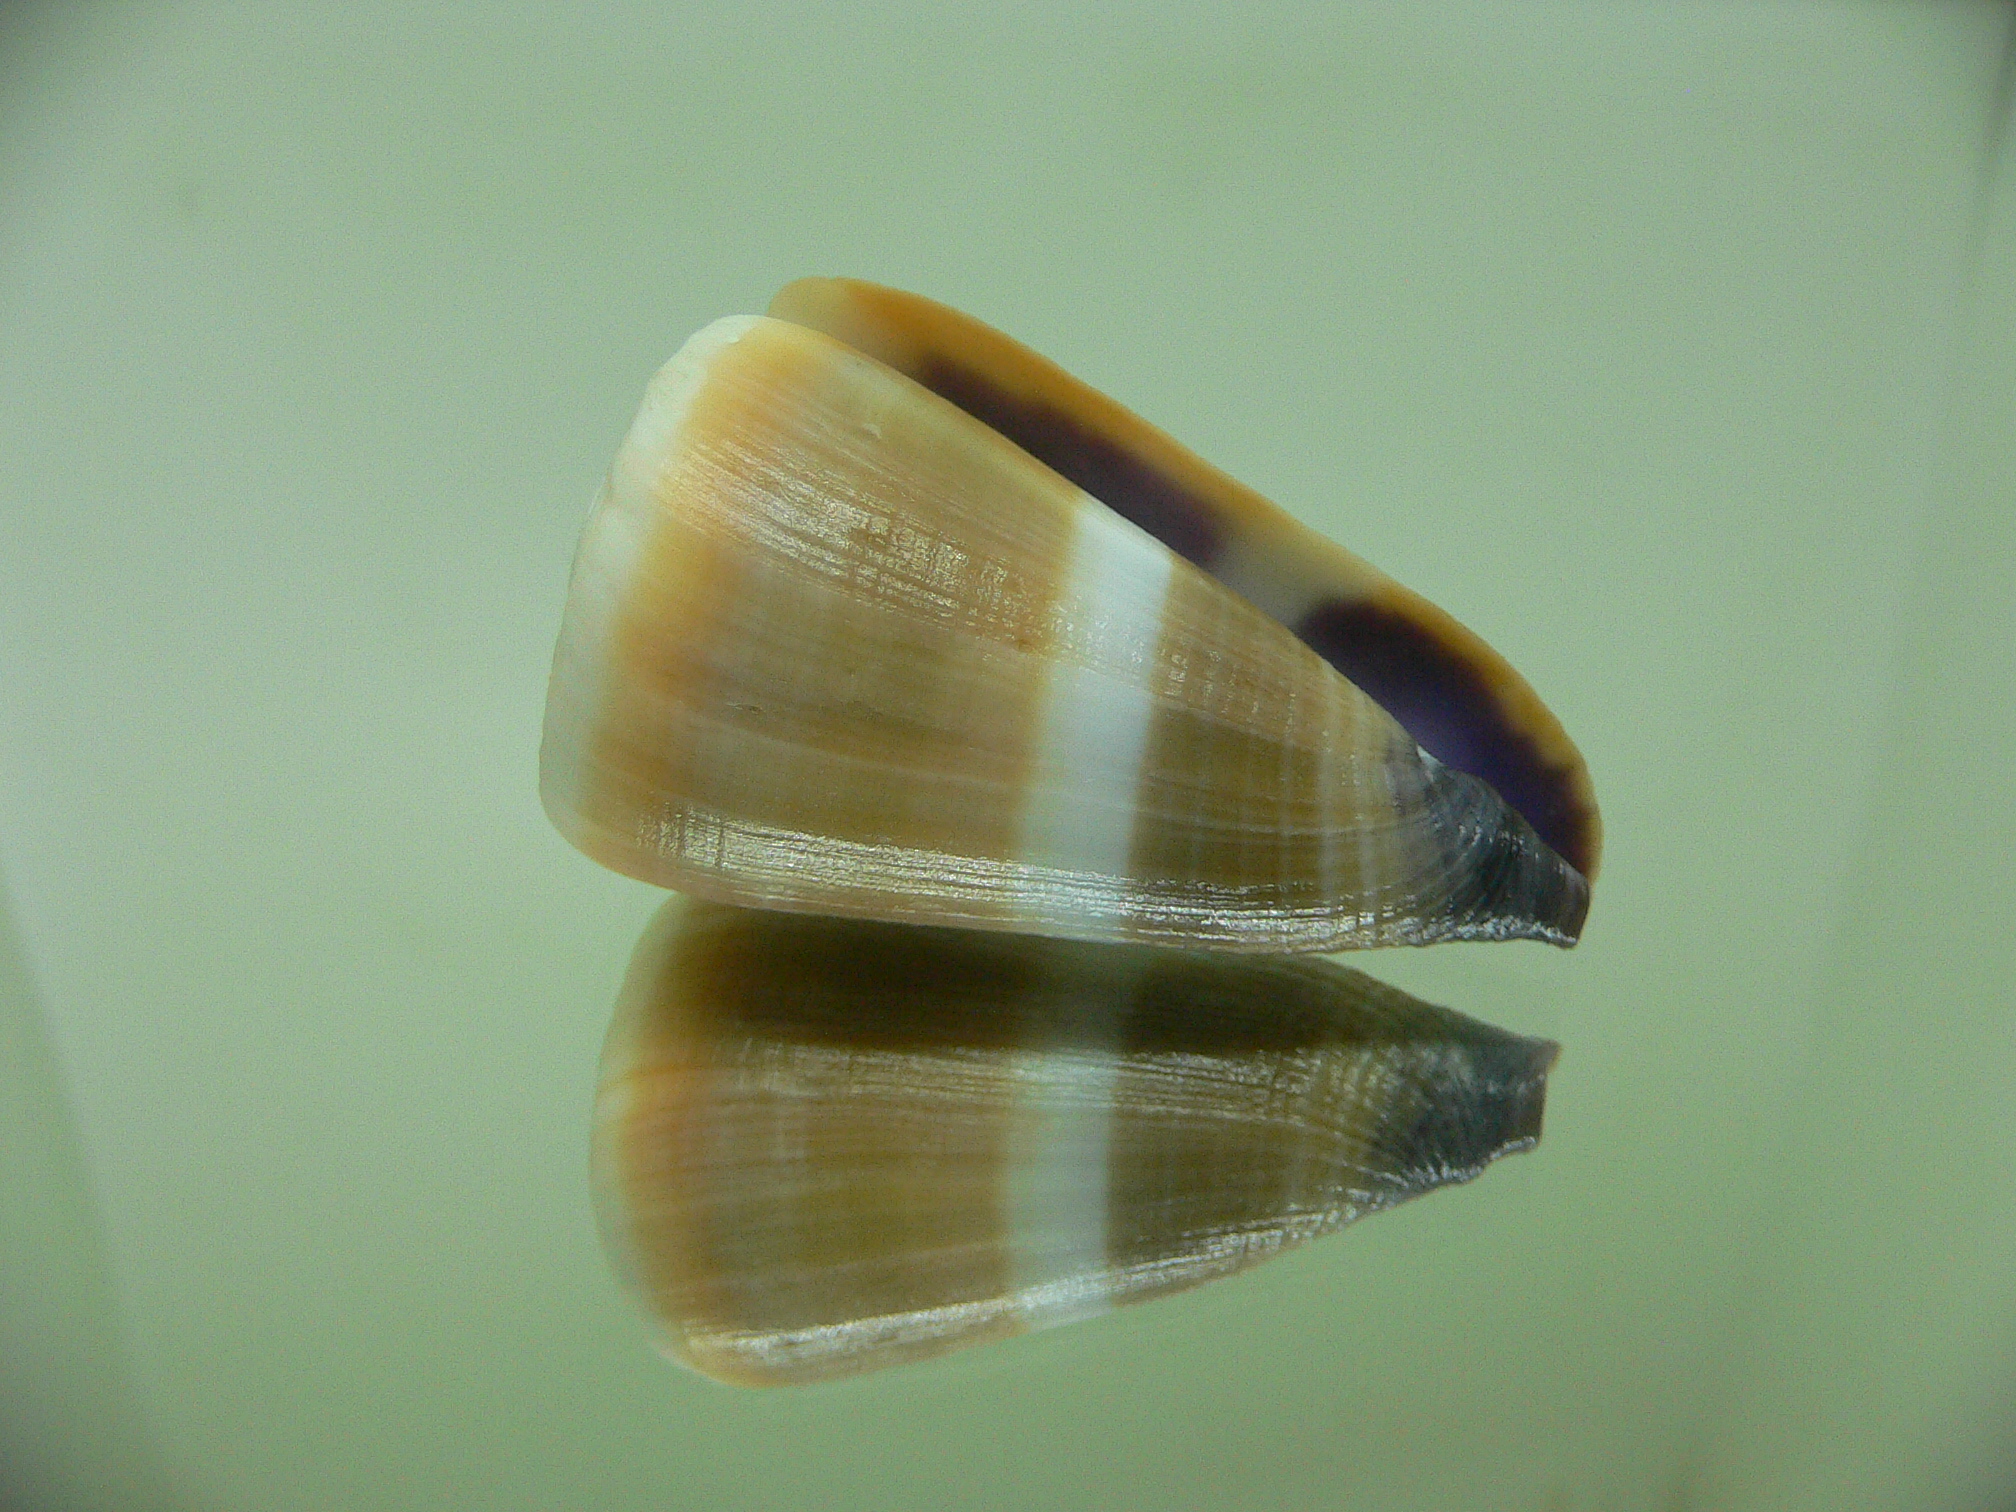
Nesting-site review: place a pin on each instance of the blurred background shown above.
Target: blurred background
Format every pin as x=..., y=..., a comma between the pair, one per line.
x=1671, y=347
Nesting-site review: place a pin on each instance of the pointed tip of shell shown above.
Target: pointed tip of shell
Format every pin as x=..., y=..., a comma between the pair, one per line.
x=1513, y=885
x=1490, y=1102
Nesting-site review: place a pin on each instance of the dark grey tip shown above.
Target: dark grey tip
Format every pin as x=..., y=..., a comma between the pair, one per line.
x=1483, y=1099
x=1507, y=883
x=1458, y=712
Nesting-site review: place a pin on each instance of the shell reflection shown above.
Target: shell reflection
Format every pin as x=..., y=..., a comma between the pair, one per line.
x=824, y=1146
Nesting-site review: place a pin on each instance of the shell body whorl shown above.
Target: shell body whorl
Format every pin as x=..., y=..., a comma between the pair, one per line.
x=835, y=645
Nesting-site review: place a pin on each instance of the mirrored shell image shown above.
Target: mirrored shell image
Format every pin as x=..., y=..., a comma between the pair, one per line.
x=835, y=643
x=824, y=1146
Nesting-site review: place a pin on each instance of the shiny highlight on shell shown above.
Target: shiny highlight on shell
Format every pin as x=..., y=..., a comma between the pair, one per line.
x=807, y=1168
x=881, y=615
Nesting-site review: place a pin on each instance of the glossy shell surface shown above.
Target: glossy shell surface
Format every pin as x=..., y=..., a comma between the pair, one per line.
x=835, y=644
x=825, y=1146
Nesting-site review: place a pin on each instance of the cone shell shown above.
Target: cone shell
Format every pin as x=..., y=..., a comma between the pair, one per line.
x=826, y=1146
x=833, y=644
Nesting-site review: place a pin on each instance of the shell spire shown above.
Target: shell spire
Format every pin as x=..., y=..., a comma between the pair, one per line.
x=807, y=1168
x=835, y=644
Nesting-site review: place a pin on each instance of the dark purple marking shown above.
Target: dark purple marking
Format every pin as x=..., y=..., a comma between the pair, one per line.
x=1125, y=484
x=1446, y=706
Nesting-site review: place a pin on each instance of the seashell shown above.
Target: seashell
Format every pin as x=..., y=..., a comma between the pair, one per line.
x=806, y=1167
x=834, y=644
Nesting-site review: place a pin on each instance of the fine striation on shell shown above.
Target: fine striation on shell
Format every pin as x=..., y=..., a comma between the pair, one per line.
x=1462, y=701
x=824, y=1146
x=835, y=645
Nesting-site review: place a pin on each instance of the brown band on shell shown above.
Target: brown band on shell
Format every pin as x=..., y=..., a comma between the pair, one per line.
x=1441, y=701
x=793, y=1032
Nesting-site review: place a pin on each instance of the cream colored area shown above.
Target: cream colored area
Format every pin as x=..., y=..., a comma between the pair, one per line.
x=1086, y=765
x=1055, y=1192
x=632, y=1052
x=616, y=540
x=1626, y=332
x=613, y=543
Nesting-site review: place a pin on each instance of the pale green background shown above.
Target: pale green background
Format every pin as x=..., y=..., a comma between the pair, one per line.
x=1671, y=347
